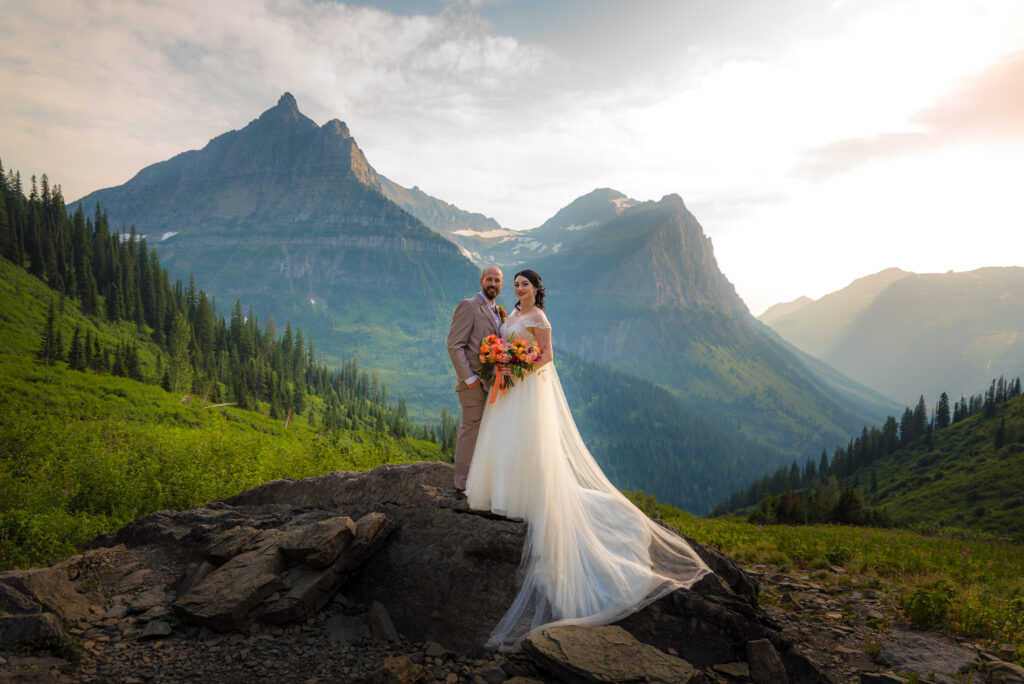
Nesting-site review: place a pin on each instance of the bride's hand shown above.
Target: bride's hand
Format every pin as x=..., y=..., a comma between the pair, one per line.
x=505, y=368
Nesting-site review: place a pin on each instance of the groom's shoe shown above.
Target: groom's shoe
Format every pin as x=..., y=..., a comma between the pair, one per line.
x=460, y=495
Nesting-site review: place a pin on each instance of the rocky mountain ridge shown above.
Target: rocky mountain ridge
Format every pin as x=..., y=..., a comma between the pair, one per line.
x=620, y=272
x=290, y=217
x=905, y=334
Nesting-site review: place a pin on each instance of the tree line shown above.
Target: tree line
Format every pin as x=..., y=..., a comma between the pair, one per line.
x=114, y=276
x=779, y=493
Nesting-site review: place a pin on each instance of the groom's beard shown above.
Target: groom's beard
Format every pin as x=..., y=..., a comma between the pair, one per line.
x=491, y=292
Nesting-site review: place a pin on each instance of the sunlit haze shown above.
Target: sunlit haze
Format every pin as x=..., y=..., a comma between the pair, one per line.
x=816, y=142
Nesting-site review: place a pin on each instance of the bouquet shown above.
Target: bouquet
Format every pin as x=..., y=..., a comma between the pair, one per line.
x=519, y=354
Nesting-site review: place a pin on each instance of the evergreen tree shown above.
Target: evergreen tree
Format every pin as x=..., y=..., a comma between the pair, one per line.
x=87, y=348
x=48, y=352
x=131, y=362
x=58, y=345
x=120, y=366
x=942, y=412
x=989, y=406
x=299, y=396
x=179, y=365
x=99, y=361
x=76, y=354
x=920, y=417
x=204, y=328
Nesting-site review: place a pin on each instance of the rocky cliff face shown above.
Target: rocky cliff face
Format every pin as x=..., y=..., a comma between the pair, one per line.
x=643, y=291
x=651, y=254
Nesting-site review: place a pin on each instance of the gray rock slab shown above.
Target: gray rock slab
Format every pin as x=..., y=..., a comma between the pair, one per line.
x=223, y=600
x=229, y=544
x=50, y=588
x=39, y=627
x=14, y=602
x=765, y=664
x=156, y=629
x=347, y=629
x=156, y=596
x=134, y=580
x=927, y=653
x=737, y=670
x=116, y=611
x=379, y=621
x=880, y=678
x=1005, y=673
x=604, y=654
x=318, y=544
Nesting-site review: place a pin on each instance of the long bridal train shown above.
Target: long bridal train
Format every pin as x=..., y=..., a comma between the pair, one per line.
x=591, y=557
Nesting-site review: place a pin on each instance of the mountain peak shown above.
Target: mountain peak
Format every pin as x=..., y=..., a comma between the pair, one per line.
x=286, y=111
x=288, y=101
x=337, y=127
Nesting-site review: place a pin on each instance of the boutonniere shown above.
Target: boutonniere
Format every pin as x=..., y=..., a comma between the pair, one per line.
x=501, y=313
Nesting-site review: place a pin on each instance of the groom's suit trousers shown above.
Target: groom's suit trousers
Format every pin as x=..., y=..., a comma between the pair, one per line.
x=473, y=400
x=471, y=323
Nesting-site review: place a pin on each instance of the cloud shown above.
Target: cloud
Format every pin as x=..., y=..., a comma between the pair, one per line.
x=988, y=108
x=123, y=84
x=721, y=208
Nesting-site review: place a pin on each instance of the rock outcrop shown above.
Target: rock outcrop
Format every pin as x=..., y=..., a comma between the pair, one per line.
x=377, y=576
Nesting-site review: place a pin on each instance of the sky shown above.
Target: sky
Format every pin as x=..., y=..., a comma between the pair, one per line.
x=816, y=141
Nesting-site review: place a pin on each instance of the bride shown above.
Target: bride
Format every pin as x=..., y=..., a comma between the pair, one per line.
x=591, y=557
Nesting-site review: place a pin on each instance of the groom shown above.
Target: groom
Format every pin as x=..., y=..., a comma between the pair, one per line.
x=474, y=319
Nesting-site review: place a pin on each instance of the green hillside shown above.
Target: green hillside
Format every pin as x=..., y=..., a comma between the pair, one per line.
x=84, y=452
x=962, y=467
x=971, y=475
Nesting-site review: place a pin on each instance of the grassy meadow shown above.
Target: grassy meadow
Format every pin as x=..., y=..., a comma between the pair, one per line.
x=85, y=454
x=971, y=584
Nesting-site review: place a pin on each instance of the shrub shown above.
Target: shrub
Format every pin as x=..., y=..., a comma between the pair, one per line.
x=926, y=608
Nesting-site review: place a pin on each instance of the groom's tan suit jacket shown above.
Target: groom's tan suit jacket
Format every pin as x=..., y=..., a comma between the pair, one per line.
x=472, y=321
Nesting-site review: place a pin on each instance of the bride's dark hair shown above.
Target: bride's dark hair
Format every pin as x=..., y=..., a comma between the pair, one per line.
x=534, y=278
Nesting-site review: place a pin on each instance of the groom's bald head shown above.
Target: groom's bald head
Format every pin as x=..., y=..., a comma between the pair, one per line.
x=490, y=282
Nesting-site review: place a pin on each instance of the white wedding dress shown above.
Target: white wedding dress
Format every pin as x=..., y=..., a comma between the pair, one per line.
x=591, y=557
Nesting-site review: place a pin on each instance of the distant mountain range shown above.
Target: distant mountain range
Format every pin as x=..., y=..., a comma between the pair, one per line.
x=290, y=216
x=636, y=285
x=903, y=333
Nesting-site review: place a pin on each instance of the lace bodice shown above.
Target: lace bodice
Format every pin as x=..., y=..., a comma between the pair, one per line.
x=520, y=327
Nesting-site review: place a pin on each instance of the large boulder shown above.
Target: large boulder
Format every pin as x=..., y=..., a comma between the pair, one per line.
x=438, y=571
x=278, y=575
x=45, y=587
x=606, y=654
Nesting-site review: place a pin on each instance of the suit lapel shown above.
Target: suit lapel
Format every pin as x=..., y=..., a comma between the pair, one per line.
x=491, y=318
